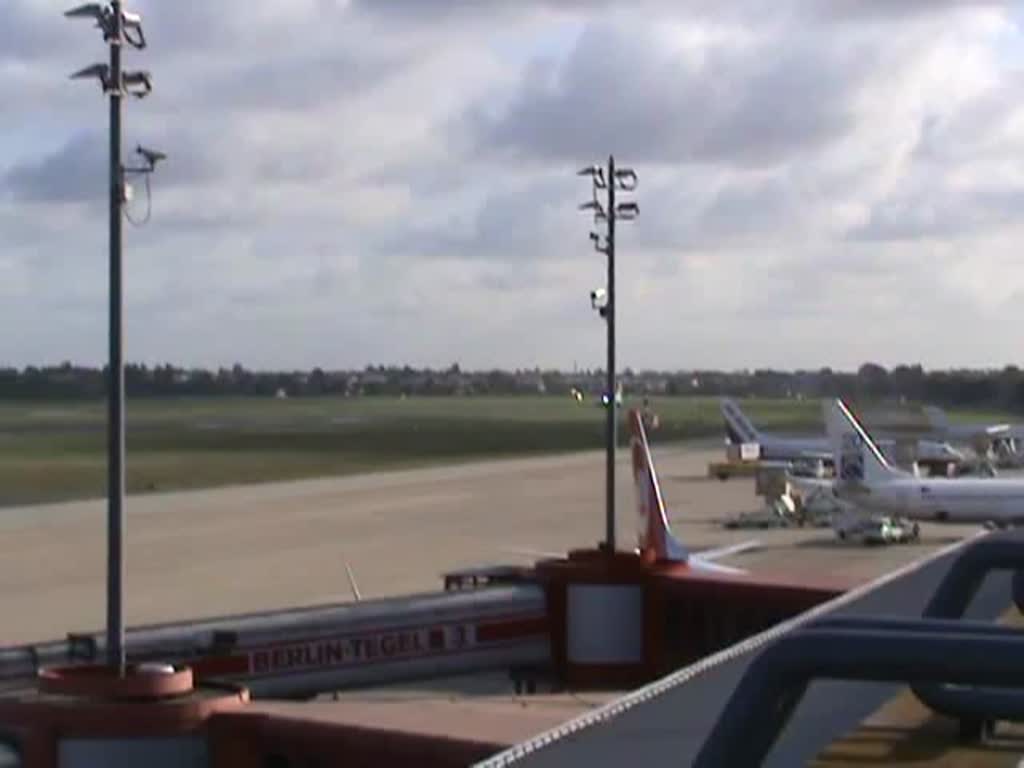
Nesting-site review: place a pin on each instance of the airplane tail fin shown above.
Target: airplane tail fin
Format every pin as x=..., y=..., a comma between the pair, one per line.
x=738, y=428
x=654, y=536
x=857, y=457
x=937, y=418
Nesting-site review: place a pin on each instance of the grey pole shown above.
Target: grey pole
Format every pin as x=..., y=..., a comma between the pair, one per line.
x=611, y=416
x=623, y=179
x=115, y=385
x=116, y=26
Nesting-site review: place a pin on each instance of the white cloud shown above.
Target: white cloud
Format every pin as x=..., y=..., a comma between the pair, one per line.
x=370, y=182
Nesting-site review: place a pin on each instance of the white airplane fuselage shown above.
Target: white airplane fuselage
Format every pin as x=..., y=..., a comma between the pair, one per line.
x=795, y=448
x=966, y=500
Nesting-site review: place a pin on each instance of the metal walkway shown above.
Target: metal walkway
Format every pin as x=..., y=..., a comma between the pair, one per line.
x=668, y=722
x=304, y=651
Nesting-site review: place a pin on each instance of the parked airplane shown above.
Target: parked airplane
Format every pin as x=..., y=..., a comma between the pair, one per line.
x=1000, y=441
x=655, y=539
x=866, y=478
x=740, y=429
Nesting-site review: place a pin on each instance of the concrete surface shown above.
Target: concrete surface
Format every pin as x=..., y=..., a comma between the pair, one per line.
x=229, y=550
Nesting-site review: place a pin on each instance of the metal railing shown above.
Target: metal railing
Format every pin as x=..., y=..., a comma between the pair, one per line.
x=972, y=671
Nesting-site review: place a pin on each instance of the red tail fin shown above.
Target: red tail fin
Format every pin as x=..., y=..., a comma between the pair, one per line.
x=654, y=538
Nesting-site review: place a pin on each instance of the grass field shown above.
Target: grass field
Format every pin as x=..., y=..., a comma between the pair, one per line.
x=56, y=451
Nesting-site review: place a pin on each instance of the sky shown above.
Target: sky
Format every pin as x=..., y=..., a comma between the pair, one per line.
x=394, y=181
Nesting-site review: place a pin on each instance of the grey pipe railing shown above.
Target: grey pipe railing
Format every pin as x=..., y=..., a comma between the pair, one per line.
x=773, y=685
x=971, y=705
x=974, y=706
x=967, y=573
x=980, y=665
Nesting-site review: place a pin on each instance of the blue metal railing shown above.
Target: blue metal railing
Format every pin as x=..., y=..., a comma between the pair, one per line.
x=972, y=671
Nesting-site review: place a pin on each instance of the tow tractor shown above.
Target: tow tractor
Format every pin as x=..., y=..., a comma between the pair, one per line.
x=878, y=530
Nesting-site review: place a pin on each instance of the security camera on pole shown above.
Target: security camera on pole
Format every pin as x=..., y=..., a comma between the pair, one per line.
x=610, y=180
x=118, y=27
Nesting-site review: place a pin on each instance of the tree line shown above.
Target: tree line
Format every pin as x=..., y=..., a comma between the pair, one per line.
x=998, y=388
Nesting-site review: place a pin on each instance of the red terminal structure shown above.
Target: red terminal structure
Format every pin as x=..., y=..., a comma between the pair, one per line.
x=92, y=715
x=620, y=620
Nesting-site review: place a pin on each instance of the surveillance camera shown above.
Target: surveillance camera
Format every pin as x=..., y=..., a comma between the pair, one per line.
x=152, y=156
x=598, y=298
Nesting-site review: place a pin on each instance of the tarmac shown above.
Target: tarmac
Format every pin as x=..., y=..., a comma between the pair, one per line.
x=207, y=553
x=249, y=548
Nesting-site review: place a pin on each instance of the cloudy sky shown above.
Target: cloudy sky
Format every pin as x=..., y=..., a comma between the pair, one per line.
x=390, y=181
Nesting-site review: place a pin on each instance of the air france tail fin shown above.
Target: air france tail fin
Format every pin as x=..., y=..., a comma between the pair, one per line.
x=857, y=458
x=738, y=428
x=937, y=418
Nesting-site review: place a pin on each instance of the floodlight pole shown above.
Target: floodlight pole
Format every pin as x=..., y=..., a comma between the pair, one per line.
x=611, y=415
x=115, y=24
x=622, y=180
x=115, y=387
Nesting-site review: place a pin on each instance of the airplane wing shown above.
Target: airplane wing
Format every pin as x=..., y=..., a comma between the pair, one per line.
x=707, y=555
x=723, y=569
x=704, y=560
x=538, y=553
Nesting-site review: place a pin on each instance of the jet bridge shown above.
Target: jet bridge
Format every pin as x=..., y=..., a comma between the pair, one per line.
x=301, y=652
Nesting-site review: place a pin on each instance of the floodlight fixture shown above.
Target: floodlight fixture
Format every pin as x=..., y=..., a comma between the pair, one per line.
x=131, y=28
x=88, y=10
x=625, y=179
x=627, y=210
x=592, y=205
x=139, y=84
x=100, y=71
x=596, y=173
x=103, y=15
x=94, y=11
